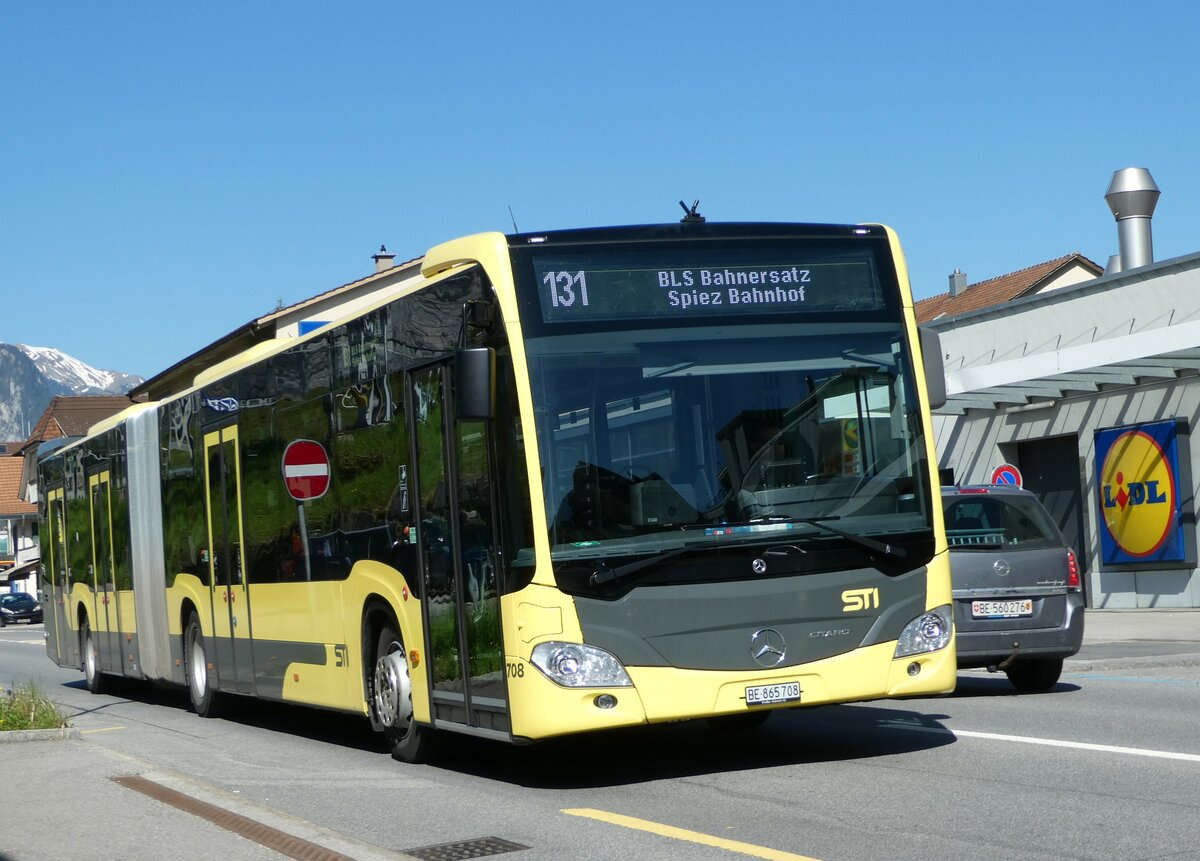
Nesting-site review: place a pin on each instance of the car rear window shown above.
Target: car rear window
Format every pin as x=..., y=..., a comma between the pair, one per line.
x=982, y=522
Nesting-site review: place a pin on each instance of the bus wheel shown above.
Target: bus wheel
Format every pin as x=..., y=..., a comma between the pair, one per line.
x=97, y=683
x=205, y=699
x=391, y=701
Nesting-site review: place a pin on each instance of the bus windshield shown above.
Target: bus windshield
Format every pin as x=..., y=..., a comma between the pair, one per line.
x=656, y=438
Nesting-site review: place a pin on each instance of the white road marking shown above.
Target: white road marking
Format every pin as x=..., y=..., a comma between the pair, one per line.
x=1053, y=742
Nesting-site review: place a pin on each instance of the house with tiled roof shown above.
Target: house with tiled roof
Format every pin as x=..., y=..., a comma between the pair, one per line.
x=66, y=416
x=1054, y=274
x=69, y=415
x=18, y=527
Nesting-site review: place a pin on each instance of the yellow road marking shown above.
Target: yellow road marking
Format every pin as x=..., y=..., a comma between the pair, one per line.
x=101, y=729
x=684, y=834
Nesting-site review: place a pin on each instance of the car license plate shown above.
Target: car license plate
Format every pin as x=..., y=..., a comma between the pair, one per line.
x=1002, y=609
x=763, y=695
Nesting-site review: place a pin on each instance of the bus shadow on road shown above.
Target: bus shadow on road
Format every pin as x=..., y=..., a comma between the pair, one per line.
x=692, y=748
x=835, y=733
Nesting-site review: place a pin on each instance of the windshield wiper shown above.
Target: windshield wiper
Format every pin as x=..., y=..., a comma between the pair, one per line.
x=604, y=575
x=861, y=540
x=819, y=523
x=607, y=575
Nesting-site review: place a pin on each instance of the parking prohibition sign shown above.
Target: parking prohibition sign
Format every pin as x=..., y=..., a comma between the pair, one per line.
x=1006, y=473
x=305, y=470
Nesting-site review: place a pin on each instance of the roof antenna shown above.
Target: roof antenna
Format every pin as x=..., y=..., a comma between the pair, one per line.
x=514, y=220
x=692, y=217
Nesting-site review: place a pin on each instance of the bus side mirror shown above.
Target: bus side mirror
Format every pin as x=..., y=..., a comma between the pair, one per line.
x=475, y=383
x=935, y=369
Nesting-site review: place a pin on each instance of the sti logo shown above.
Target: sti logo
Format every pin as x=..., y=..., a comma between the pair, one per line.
x=1137, y=488
x=854, y=600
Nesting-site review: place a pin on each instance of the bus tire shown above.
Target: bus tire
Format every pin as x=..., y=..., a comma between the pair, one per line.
x=97, y=682
x=390, y=691
x=205, y=699
x=1036, y=675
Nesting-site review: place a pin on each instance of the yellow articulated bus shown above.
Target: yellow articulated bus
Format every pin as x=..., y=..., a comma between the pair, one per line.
x=569, y=481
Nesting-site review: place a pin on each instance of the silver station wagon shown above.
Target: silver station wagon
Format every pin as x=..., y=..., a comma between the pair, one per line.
x=1018, y=606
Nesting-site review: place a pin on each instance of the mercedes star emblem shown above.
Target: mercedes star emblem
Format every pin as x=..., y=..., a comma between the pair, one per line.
x=768, y=647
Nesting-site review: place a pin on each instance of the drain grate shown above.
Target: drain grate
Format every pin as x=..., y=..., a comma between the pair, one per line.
x=480, y=848
x=284, y=844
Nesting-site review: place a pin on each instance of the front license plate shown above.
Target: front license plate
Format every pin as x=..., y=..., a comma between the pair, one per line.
x=1002, y=609
x=765, y=695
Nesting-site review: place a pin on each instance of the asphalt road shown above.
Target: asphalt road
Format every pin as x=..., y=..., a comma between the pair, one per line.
x=1106, y=766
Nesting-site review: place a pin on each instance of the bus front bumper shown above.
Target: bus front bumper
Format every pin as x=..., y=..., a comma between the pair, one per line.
x=543, y=709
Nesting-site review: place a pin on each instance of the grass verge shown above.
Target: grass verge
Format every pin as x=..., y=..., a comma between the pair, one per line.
x=25, y=707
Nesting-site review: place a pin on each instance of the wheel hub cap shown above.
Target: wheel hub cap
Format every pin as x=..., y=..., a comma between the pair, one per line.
x=393, y=690
x=199, y=667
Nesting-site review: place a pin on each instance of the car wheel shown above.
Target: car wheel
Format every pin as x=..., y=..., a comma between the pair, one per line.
x=97, y=682
x=1035, y=676
x=205, y=699
x=389, y=689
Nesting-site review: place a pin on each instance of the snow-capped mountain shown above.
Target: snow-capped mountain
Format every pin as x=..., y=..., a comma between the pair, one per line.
x=30, y=377
x=79, y=377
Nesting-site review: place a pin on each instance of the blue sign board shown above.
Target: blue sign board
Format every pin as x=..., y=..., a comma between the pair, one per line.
x=1138, y=483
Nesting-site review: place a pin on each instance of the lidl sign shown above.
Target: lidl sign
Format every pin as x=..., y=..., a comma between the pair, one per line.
x=1139, y=488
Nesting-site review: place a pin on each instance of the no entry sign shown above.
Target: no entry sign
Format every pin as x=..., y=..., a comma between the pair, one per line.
x=305, y=470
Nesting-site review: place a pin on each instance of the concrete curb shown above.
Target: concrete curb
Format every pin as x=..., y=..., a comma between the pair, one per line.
x=39, y=734
x=262, y=813
x=1072, y=665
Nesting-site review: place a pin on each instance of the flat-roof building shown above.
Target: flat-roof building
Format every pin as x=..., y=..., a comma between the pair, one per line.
x=1092, y=391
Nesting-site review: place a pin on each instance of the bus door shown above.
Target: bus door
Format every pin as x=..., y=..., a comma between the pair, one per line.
x=457, y=536
x=106, y=624
x=227, y=578
x=57, y=586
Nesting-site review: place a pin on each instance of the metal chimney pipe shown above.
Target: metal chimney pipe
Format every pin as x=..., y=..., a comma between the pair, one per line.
x=1132, y=196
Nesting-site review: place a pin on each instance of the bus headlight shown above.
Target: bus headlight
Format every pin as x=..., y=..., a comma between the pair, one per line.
x=927, y=633
x=575, y=665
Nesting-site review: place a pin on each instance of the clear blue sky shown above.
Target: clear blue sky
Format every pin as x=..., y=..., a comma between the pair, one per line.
x=169, y=171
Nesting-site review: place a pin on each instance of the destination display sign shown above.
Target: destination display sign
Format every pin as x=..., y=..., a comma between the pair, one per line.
x=572, y=289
